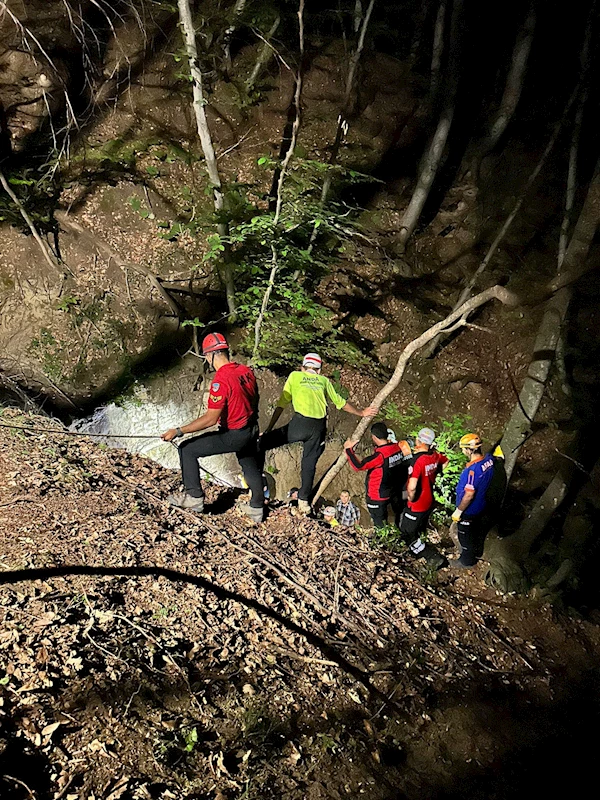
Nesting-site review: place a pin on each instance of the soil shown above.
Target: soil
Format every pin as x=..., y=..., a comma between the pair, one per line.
x=149, y=653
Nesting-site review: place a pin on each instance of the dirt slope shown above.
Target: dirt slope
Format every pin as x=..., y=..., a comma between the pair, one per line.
x=148, y=654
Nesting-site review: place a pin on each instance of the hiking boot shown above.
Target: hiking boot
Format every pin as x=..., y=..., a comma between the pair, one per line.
x=304, y=508
x=458, y=565
x=254, y=514
x=186, y=501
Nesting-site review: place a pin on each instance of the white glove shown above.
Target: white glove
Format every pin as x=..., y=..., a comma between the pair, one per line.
x=456, y=515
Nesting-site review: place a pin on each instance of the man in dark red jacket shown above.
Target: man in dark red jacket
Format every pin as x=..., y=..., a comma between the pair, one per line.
x=233, y=403
x=380, y=468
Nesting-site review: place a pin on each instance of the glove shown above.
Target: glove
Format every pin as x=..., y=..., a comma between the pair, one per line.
x=456, y=515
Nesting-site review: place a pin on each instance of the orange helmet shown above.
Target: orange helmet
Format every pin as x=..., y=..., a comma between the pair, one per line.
x=471, y=441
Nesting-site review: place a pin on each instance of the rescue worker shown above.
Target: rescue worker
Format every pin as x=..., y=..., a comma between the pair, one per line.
x=308, y=391
x=424, y=468
x=471, y=513
x=379, y=467
x=233, y=403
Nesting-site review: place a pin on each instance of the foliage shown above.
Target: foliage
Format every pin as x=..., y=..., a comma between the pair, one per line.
x=387, y=538
x=448, y=433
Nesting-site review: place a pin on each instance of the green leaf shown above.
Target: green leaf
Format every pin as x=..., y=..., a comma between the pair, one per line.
x=152, y=171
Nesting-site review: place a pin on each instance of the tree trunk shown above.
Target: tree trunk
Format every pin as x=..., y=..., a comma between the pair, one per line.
x=453, y=321
x=228, y=36
x=549, y=331
x=435, y=149
x=512, y=88
x=438, y=49
x=265, y=54
x=199, y=103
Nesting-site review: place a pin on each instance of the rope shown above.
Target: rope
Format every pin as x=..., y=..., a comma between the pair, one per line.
x=33, y=429
x=66, y=432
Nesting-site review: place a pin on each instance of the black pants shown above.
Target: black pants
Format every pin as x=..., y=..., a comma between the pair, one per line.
x=398, y=504
x=412, y=525
x=241, y=442
x=378, y=509
x=300, y=429
x=471, y=537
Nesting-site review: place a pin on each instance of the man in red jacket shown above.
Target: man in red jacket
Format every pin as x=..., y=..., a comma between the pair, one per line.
x=424, y=468
x=233, y=403
x=380, y=468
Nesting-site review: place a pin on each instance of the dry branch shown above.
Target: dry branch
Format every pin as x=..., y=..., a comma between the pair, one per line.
x=453, y=321
x=30, y=224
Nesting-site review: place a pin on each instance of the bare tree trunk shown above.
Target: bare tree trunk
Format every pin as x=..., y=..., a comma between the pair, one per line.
x=452, y=322
x=265, y=53
x=199, y=103
x=549, y=331
x=235, y=18
x=421, y=17
x=566, y=226
x=512, y=88
x=281, y=179
x=438, y=49
x=571, y=179
x=435, y=149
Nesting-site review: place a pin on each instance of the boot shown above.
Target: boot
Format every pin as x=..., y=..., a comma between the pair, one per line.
x=304, y=507
x=254, y=514
x=186, y=501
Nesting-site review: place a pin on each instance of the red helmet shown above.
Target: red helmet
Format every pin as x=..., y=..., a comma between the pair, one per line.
x=213, y=343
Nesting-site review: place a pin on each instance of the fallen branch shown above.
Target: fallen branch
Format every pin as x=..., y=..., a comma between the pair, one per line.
x=453, y=321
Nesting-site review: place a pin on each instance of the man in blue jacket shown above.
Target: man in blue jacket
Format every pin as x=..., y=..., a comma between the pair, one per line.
x=471, y=515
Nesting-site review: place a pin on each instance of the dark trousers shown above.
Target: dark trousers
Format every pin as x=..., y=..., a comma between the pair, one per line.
x=413, y=524
x=241, y=442
x=300, y=429
x=398, y=504
x=471, y=536
x=378, y=509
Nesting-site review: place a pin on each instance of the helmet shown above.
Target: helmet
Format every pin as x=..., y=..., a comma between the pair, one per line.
x=213, y=343
x=426, y=435
x=470, y=440
x=312, y=361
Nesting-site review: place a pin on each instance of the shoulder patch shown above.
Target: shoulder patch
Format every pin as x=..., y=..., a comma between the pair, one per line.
x=216, y=386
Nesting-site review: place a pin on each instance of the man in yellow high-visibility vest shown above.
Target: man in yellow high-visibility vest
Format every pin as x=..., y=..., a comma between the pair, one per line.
x=308, y=391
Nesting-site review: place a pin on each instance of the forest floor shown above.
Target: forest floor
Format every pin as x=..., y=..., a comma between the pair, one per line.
x=148, y=653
